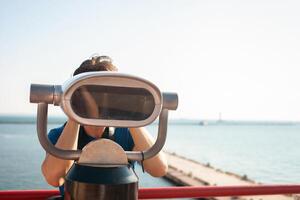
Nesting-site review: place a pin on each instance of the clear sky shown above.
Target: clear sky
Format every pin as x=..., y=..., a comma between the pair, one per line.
x=238, y=58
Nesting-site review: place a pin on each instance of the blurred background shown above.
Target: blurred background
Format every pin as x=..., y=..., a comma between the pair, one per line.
x=234, y=65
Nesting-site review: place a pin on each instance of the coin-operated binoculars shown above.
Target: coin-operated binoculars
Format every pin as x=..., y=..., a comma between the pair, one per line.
x=108, y=99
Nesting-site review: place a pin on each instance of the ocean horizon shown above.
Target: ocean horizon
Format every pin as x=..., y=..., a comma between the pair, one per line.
x=52, y=119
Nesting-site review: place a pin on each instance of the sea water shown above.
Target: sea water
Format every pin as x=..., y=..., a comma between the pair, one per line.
x=267, y=153
x=21, y=156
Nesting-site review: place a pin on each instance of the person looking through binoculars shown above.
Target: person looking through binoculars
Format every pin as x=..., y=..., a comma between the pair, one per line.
x=72, y=136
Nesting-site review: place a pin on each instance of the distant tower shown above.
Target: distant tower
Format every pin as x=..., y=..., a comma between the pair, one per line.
x=220, y=117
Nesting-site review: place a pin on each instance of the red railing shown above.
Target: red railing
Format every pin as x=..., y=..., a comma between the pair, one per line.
x=172, y=192
x=216, y=191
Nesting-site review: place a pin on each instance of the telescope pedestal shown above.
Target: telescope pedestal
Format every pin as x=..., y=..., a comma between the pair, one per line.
x=102, y=183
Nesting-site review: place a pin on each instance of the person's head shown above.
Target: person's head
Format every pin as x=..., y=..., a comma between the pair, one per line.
x=97, y=63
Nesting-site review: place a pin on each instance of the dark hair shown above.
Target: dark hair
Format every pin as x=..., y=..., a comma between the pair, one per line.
x=98, y=63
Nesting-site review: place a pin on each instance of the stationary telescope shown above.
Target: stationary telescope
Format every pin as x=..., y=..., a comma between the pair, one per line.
x=108, y=99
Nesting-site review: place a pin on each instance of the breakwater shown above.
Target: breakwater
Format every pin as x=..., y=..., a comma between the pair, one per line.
x=186, y=172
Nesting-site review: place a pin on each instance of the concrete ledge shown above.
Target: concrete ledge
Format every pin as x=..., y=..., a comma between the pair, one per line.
x=187, y=172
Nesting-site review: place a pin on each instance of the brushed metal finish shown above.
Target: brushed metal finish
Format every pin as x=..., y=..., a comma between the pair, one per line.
x=170, y=100
x=57, y=95
x=41, y=93
x=159, y=143
x=42, y=113
x=109, y=79
x=85, y=191
x=101, y=183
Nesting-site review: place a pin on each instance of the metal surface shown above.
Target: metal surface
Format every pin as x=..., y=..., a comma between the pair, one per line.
x=50, y=94
x=61, y=95
x=99, y=176
x=86, y=191
x=42, y=112
x=41, y=93
x=217, y=191
x=75, y=154
x=174, y=192
x=57, y=95
x=103, y=152
x=159, y=143
x=88, y=182
x=109, y=79
x=120, y=174
x=170, y=100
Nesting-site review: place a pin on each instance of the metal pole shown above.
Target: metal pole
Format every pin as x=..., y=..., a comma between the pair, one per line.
x=42, y=113
x=159, y=143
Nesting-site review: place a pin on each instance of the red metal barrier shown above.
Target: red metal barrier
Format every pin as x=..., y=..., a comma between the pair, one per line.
x=216, y=191
x=172, y=192
x=27, y=194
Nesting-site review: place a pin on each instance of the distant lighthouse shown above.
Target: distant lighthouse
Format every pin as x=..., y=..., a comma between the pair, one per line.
x=220, y=117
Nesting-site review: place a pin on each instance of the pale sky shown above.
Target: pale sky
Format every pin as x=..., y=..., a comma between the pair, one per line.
x=238, y=58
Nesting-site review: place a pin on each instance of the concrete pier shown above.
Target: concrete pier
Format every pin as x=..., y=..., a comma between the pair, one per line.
x=186, y=172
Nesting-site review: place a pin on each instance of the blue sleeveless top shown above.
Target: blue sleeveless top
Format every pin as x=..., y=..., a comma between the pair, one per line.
x=121, y=136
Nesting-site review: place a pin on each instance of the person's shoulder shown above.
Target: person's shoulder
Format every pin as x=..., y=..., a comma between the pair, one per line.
x=54, y=134
x=122, y=133
x=121, y=130
x=57, y=130
x=123, y=137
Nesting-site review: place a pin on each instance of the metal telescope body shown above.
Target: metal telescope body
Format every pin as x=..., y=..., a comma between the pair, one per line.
x=107, y=99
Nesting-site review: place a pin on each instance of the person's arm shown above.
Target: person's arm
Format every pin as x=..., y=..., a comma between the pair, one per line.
x=156, y=166
x=90, y=103
x=54, y=169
